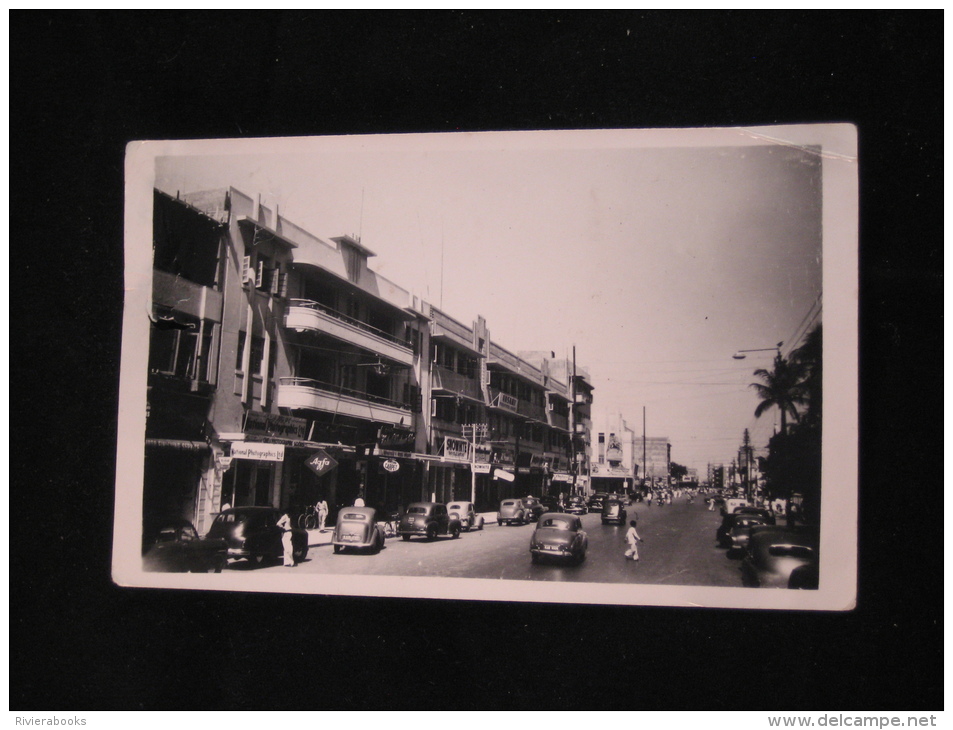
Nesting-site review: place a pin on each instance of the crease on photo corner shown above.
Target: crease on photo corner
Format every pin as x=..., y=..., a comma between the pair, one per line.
x=810, y=149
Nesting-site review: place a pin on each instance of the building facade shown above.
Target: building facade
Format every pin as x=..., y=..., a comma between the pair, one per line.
x=615, y=464
x=283, y=370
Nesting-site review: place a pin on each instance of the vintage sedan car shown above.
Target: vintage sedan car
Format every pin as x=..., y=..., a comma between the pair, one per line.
x=782, y=557
x=513, y=511
x=596, y=501
x=357, y=529
x=768, y=515
x=740, y=531
x=559, y=536
x=728, y=523
x=463, y=511
x=252, y=533
x=428, y=519
x=534, y=507
x=613, y=511
x=177, y=548
x=576, y=506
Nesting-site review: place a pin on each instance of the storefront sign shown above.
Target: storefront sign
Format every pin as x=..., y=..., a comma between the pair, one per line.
x=258, y=452
x=456, y=448
x=274, y=424
x=395, y=438
x=504, y=475
x=320, y=462
x=391, y=465
x=562, y=477
x=481, y=468
x=523, y=470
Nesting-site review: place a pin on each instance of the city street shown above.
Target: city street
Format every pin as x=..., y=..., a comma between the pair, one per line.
x=678, y=549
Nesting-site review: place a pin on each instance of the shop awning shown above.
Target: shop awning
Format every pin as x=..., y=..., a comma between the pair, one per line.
x=177, y=444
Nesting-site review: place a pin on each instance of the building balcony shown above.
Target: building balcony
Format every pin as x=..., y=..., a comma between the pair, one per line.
x=558, y=421
x=306, y=315
x=308, y=394
x=451, y=382
x=531, y=411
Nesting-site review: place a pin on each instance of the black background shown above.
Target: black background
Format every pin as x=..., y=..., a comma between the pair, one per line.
x=84, y=84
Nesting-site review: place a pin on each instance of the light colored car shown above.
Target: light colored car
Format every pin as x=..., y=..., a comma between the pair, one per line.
x=512, y=511
x=559, y=536
x=357, y=529
x=782, y=557
x=463, y=511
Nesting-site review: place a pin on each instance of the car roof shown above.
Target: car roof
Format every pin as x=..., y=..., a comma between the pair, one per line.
x=370, y=511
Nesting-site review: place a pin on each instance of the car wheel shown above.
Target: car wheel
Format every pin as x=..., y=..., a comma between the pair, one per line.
x=535, y=559
x=432, y=532
x=300, y=555
x=406, y=538
x=479, y=523
x=455, y=532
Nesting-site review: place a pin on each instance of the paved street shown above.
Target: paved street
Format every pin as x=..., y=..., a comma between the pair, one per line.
x=679, y=549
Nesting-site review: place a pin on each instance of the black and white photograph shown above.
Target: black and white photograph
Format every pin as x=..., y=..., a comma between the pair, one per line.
x=573, y=367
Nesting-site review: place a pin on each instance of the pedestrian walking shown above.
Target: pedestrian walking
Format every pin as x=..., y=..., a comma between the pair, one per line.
x=287, y=546
x=633, y=540
x=321, y=508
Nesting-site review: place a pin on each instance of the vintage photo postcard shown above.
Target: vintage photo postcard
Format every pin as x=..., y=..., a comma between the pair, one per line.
x=592, y=367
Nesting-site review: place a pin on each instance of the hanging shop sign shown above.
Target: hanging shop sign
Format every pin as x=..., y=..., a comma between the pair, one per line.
x=391, y=465
x=562, y=477
x=258, y=452
x=481, y=468
x=456, y=448
x=504, y=475
x=275, y=424
x=320, y=462
x=395, y=438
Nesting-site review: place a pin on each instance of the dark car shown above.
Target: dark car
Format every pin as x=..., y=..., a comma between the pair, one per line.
x=559, y=536
x=613, y=511
x=357, y=528
x=576, y=506
x=767, y=514
x=463, y=511
x=728, y=523
x=782, y=557
x=596, y=501
x=428, y=519
x=534, y=507
x=740, y=531
x=253, y=533
x=177, y=548
x=551, y=504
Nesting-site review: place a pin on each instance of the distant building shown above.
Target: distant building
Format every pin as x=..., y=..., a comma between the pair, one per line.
x=654, y=456
x=615, y=457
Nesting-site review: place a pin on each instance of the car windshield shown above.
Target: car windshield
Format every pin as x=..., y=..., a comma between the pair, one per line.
x=455, y=506
x=359, y=516
x=418, y=510
x=509, y=504
x=556, y=524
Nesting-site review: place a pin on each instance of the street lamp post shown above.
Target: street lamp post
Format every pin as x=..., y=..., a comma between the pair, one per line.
x=740, y=354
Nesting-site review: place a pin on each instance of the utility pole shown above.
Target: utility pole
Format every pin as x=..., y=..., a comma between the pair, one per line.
x=475, y=430
x=645, y=463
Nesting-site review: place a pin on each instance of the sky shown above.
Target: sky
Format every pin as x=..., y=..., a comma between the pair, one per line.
x=656, y=255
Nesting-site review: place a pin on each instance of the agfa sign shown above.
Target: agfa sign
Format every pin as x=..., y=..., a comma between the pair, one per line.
x=321, y=462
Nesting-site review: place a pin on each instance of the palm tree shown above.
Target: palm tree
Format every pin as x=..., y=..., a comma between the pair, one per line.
x=808, y=357
x=780, y=388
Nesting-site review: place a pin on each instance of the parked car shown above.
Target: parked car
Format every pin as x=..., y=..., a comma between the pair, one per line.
x=732, y=503
x=534, y=507
x=782, y=557
x=613, y=511
x=253, y=533
x=463, y=511
x=551, y=504
x=428, y=519
x=596, y=501
x=177, y=548
x=357, y=528
x=576, y=506
x=559, y=536
x=740, y=532
x=520, y=511
x=728, y=523
x=768, y=515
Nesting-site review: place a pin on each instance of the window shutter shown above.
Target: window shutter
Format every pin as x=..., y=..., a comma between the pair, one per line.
x=283, y=285
x=259, y=274
x=246, y=266
x=275, y=281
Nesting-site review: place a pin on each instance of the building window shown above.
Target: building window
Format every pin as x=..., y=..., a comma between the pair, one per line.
x=181, y=352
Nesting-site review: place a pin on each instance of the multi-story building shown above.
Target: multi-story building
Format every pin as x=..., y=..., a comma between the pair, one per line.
x=615, y=459
x=654, y=458
x=581, y=389
x=283, y=370
x=299, y=353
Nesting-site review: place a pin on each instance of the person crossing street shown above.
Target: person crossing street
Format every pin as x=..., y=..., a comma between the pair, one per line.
x=633, y=540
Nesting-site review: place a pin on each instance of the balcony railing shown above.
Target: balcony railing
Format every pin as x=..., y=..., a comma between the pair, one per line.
x=308, y=314
x=307, y=393
x=531, y=410
x=444, y=379
x=559, y=421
